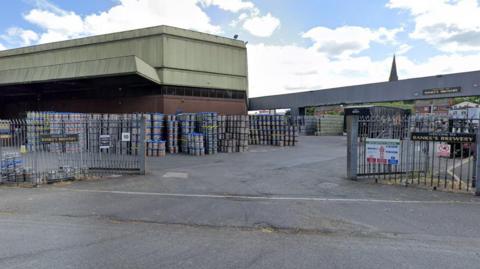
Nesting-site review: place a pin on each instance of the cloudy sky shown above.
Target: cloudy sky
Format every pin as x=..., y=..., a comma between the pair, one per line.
x=294, y=45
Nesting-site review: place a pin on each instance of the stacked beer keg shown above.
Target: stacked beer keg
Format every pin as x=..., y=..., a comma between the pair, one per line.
x=187, y=126
x=195, y=142
x=207, y=125
x=236, y=136
x=171, y=135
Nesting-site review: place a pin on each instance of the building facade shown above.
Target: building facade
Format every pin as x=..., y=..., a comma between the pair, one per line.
x=157, y=69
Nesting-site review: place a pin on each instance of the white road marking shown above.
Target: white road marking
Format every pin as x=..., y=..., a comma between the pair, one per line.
x=175, y=175
x=274, y=198
x=451, y=169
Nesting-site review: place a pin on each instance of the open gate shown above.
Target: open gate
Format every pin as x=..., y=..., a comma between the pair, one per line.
x=429, y=151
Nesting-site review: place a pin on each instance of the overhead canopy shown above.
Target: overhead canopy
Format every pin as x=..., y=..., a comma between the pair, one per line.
x=118, y=66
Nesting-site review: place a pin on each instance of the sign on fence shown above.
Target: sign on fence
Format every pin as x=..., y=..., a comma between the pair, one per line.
x=58, y=138
x=105, y=141
x=383, y=151
x=126, y=137
x=444, y=137
x=443, y=150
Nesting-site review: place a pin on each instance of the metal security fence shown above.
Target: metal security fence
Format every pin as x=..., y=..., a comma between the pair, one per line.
x=67, y=146
x=436, y=152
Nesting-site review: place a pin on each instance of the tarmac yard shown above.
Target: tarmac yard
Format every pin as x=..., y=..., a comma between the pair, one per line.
x=271, y=207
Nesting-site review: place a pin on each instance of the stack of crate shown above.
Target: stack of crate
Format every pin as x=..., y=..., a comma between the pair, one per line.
x=56, y=122
x=195, y=142
x=236, y=134
x=156, y=148
x=75, y=124
x=157, y=126
x=171, y=135
x=207, y=125
x=273, y=130
x=221, y=128
x=135, y=133
x=260, y=130
x=37, y=125
x=11, y=167
x=187, y=126
x=278, y=130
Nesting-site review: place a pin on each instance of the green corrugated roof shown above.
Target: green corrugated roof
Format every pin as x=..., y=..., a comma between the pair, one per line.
x=125, y=65
x=144, y=32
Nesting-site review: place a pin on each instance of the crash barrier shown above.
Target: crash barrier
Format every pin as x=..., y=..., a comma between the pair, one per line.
x=48, y=148
x=434, y=152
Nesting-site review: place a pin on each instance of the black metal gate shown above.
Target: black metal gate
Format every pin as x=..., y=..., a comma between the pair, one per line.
x=429, y=151
x=49, y=147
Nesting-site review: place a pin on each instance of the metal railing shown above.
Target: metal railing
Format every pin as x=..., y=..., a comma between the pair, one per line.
x=70, y=146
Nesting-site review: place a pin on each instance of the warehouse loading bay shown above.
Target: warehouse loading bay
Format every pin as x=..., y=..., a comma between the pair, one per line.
x=270, y=207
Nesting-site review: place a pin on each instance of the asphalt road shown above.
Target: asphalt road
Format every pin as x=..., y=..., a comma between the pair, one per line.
x=269, y=208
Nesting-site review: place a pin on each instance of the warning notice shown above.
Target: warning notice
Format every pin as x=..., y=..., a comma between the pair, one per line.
x=443, y=150
x=383, y=151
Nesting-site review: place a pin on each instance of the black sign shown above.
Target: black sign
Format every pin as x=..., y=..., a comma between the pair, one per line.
x=105, y=141
x=442, y=91
x=58, y=138
x=444, y=137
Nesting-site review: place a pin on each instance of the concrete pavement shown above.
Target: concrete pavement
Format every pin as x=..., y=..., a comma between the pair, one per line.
x=269, y=208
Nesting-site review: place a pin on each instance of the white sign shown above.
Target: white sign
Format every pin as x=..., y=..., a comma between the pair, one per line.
x=383, y=151
x=126, y=137
x=443, y=150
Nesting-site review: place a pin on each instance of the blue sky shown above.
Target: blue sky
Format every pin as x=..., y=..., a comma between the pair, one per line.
x=293, y=45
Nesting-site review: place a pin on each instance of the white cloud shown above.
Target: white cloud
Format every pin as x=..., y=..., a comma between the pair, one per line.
x=261, y=26
x=229, y=5
x=251, y=18
x=16, y=35
x=287, y=69
x=59, y=24
x=348, y=40
x=2, y=47
x=449, y=25
x=403, y=48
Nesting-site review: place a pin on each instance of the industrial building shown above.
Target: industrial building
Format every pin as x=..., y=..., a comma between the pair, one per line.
x=158, y=69
x=431, y=94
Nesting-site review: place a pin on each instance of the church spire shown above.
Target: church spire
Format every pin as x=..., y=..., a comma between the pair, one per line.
x=393, y=71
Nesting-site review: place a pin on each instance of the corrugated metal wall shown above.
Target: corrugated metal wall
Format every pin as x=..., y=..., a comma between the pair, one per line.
x=186, y=59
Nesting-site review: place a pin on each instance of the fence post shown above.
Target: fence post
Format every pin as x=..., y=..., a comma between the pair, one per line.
x=1, y=160
x=477, y=163
x=141, y=146
x=352, y=146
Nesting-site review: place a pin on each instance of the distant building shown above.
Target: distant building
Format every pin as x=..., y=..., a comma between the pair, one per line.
x=433, y=106
x=323, y=110
x=465, y=105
